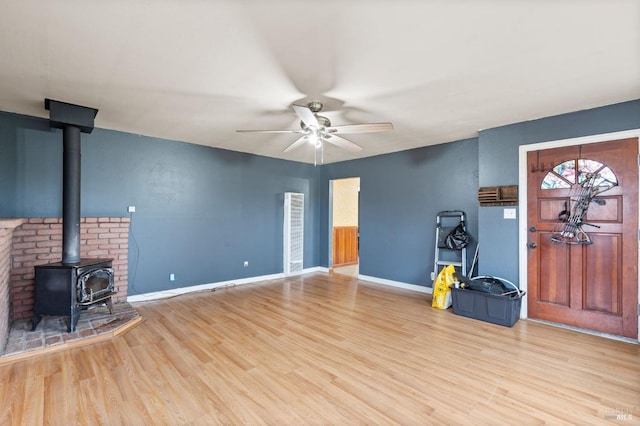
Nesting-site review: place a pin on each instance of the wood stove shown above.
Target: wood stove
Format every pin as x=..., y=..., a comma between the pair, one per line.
x=67, y=287
x=65, y=290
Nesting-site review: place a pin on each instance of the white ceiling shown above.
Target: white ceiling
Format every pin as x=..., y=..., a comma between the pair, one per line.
x=197, y=70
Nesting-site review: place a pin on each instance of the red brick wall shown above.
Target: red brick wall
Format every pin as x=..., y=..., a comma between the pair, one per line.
x=6, y=231
x=39, y=240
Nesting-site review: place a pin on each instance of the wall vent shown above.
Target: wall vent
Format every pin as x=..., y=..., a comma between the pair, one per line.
x=293, y=231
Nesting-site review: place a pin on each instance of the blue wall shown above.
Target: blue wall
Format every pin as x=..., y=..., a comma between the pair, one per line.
x=498, y=165
x=400, y=196
x=200, y=211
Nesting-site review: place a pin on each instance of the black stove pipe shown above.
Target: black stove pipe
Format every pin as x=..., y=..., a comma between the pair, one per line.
x=71, y=195
x=73, y=120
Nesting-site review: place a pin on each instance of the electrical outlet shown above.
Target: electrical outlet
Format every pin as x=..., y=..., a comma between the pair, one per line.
x=172, y=277
x=131, y=209
x=246, y=263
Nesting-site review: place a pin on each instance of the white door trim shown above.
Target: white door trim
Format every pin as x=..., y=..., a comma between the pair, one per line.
x=330, y=236
x=330, y=216
x=522, y=204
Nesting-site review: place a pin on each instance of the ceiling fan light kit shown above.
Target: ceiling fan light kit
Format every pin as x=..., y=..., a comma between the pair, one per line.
x=314, y=138
x=316, y=129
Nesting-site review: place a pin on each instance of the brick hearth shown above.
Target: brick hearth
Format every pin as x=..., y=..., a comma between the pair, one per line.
x=7, y=227
x=39, y=241
x=27, y=242
x=95, y=325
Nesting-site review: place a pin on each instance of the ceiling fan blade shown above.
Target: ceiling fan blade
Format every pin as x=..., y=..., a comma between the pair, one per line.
x=342, y=143
x=299, y=142
x=269, y=131
x=306, y=115
x=361, y=128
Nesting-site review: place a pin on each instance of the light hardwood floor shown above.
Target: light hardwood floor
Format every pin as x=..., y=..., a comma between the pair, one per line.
x=325, y=349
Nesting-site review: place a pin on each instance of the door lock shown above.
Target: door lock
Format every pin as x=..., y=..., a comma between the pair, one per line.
x=532, y=245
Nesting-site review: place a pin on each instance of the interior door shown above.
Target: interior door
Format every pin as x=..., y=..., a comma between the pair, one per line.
x=583, y=269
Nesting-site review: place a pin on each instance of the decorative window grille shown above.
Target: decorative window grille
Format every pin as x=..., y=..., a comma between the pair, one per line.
x=570, y=172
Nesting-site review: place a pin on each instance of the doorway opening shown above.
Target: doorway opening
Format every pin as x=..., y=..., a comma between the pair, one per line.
x=344, y=231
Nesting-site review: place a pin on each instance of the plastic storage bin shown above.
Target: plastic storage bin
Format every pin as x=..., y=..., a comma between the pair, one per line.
x=501, y=310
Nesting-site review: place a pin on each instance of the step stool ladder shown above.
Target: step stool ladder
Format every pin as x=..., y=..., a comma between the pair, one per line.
x=446, y=221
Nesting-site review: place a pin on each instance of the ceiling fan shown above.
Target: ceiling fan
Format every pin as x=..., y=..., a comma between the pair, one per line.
x=317, y=129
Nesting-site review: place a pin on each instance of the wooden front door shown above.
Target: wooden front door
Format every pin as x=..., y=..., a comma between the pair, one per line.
x=583, y=270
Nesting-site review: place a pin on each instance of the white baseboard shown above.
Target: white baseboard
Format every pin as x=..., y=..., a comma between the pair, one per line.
x=307, y=271
x=383, y=281
x=145, y=297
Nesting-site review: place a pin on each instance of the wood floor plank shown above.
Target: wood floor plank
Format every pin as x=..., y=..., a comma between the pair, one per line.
x=325, y=349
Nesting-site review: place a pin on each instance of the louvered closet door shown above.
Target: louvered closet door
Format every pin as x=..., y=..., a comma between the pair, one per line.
x=293, y=232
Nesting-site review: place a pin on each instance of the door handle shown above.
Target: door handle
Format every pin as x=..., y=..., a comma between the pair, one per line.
x=532, y=245
x=533, y=229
